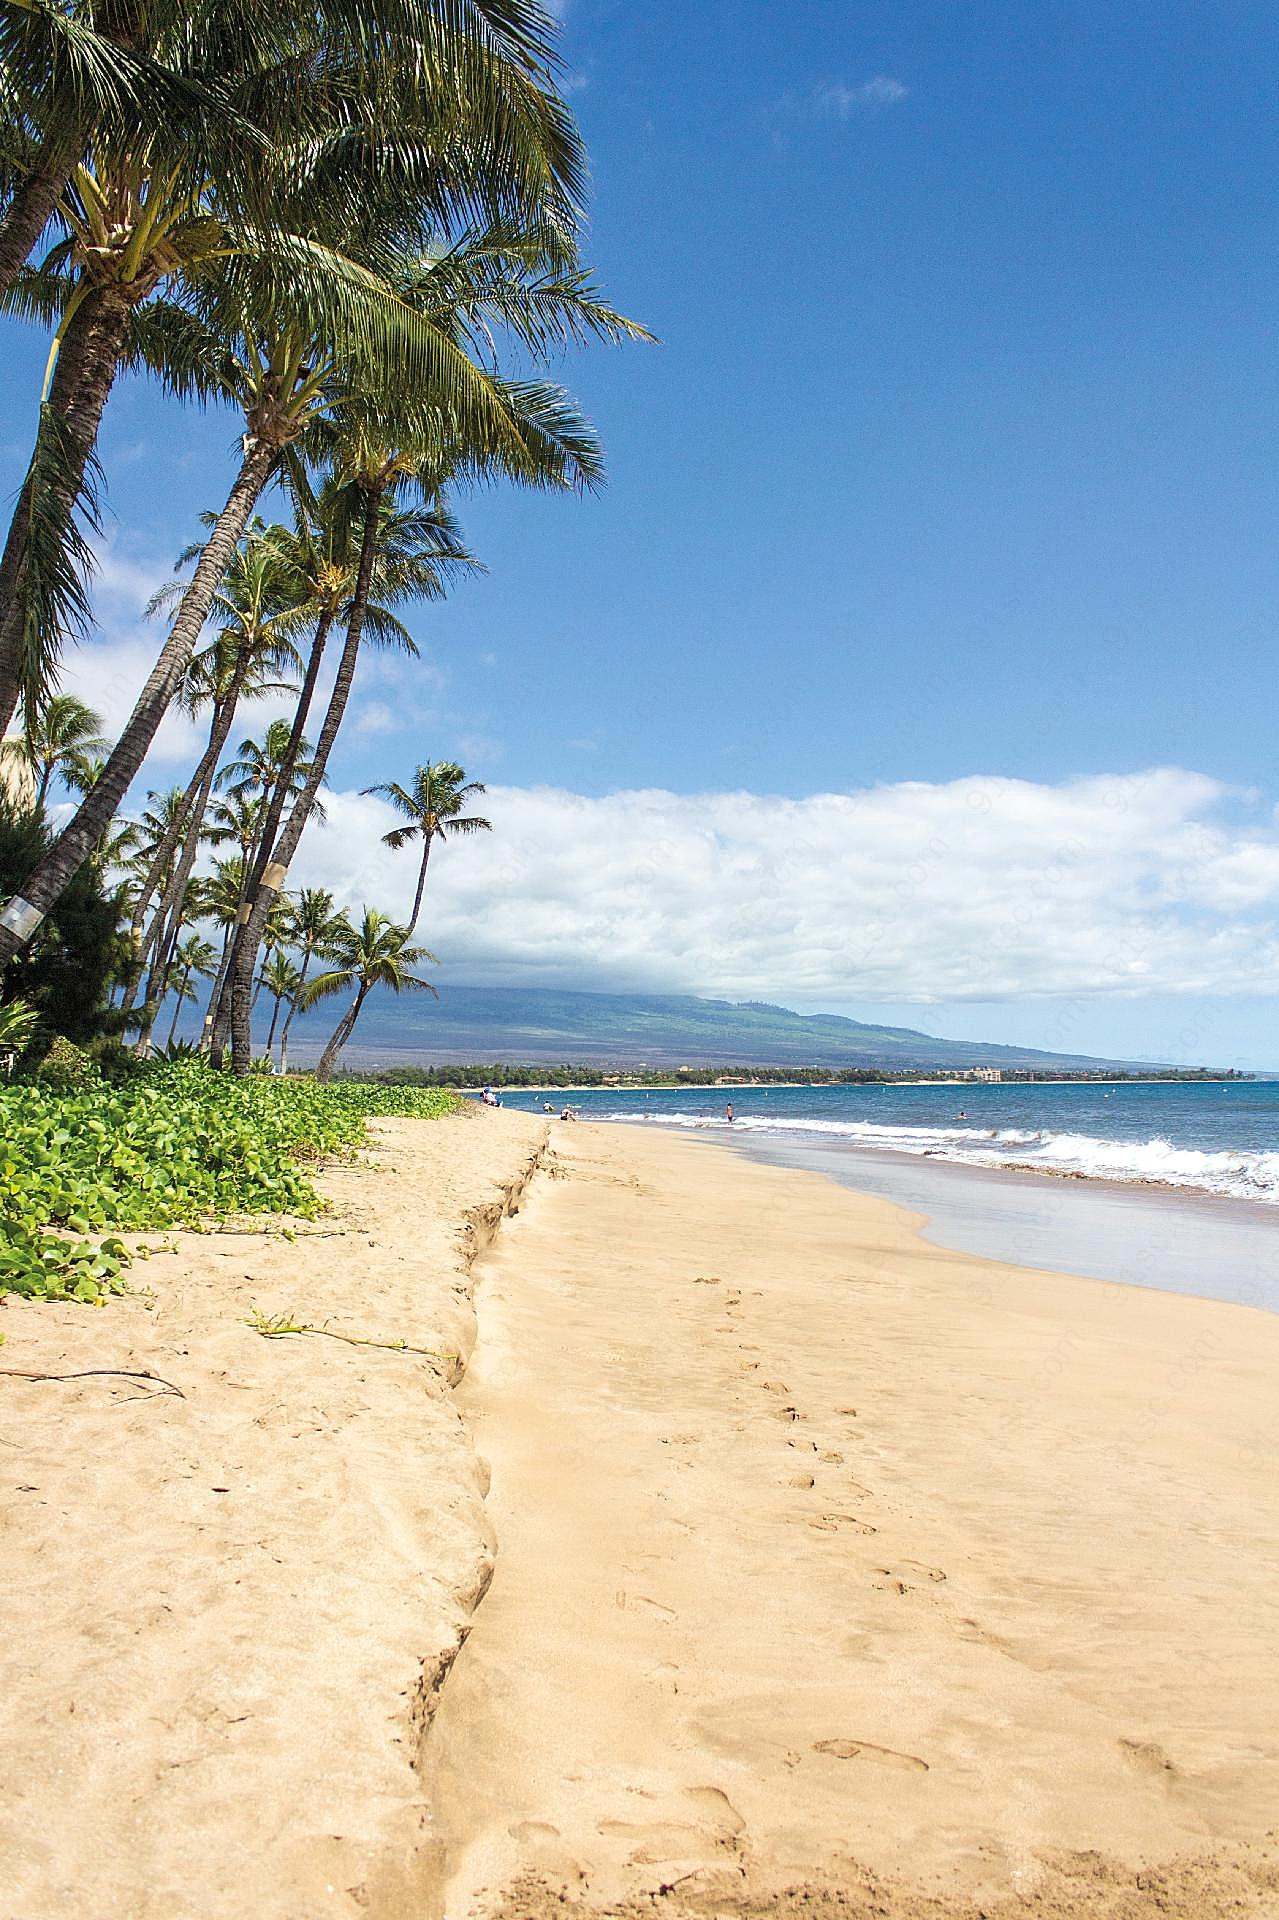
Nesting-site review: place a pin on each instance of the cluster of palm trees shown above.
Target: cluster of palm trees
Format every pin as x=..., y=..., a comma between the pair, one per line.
x=160, y=893
x=334, y=219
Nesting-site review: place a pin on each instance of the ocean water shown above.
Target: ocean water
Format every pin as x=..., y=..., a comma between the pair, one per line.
x=1169, y=1186
x=1206, y=1137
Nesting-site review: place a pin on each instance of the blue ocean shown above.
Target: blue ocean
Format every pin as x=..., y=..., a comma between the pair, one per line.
x=1208, y=1137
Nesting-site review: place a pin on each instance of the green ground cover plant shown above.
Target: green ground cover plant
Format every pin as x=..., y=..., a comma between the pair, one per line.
x=179, y=1145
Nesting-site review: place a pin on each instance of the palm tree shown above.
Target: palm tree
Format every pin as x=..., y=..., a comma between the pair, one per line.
x=244, y=660
x=312, y=927
x=220, y=899
x=545, y=443
x=60, y=739
x=266, y=766
x=355, y=121
x=282, y=981
x=281, y=388
x=195, y=958
x=376, y=954
x=331, y=324
x=433, y=807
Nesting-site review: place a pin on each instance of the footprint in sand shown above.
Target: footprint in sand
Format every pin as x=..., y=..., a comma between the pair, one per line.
x=906, y=1574
x=658, y=1841
x=855, y=1749
x=1149, y=1757
x=715, y=1803
x=841, y=1523
x=629, y=1601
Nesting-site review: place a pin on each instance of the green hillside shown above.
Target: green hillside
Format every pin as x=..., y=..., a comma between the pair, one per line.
x=659, y=1030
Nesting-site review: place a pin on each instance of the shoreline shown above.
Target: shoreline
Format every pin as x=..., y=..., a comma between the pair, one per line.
x=723, y=1132
x=1192, y=1241
x=840, y=1572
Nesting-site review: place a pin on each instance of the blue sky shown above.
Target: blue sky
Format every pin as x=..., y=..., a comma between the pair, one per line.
x=956, y=459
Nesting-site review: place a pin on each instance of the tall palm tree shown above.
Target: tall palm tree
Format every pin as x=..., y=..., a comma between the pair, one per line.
x=374, y=954
x=61, y=738
x=281, y=387
x=352, y=106
x=282, y=981
x=433, y=807
x=533, y=289
x=194, y=959
x=312, y=927
x=249, y=652
x=221, y=895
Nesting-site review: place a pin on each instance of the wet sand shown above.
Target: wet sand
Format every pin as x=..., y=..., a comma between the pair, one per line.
x=840, y=1571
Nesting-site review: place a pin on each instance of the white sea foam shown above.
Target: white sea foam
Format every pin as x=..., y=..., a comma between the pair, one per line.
x=1241, y=1175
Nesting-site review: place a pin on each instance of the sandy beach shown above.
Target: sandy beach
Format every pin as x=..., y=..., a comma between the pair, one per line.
x=835, y=1571
x=837, y=1568
x=228, y=1612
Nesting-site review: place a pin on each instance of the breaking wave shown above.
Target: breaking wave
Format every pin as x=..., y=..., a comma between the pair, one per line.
x=1241, y=1175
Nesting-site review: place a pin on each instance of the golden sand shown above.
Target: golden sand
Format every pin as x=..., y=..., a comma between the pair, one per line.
x=837, y=1575
x=834, y=1562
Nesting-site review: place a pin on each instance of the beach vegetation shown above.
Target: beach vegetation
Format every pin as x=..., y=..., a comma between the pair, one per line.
x=175, y=1145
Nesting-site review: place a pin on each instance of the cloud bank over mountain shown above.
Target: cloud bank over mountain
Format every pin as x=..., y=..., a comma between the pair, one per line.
x=1161, y=882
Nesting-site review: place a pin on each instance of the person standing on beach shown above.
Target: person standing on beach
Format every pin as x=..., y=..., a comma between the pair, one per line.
x=728, y=1113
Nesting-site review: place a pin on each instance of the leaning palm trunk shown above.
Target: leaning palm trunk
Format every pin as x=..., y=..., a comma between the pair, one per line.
x=421, y=886
x=73, y=846
x=293, y=1007
x=249, y=936
x=181, y=991
x=166, y=922
x=284, y=779
x=206, y=1026
x=255, y=867
x=185, y=826
x=275, y=1019
x=341, y=1034
x=83, y=376
x=29, y=212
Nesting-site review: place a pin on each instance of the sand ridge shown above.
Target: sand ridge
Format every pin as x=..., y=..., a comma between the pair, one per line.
x=838, y=1573
x=228, y=1612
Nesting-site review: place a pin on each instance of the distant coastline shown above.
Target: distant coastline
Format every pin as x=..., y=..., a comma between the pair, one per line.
x=466, y=1077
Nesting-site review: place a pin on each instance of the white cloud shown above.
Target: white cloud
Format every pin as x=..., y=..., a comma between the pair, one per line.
x=980, y=889
x=110, y=670
x=838, y=99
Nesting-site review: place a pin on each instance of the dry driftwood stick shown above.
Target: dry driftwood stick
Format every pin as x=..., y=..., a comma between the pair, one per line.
x=95, y=1373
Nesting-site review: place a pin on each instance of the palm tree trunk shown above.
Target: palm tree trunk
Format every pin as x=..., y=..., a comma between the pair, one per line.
x=341, y=1034
x=29, y=212
x=166, y=921
x=216, y=990
x=182, y=993
x=293, y=1007
x=249, y=937
x=180, y=823
x=280, y=791
x=72, y=847
x=83, y=376
x=270, y=1039
x=421, y=883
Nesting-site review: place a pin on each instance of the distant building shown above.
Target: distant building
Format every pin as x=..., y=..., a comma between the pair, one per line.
x=988, y=1073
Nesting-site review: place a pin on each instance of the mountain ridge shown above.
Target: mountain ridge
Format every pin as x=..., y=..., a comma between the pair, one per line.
x=534, y=1024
